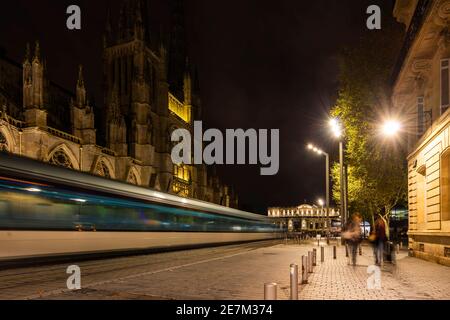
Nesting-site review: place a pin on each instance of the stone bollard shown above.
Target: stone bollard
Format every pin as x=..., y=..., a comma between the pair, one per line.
x=304, y=269
x=310, y=262
x=270, y=291
x=294, y=282
x=322, y=254
x=398, y=248
x=334, y=252
x=360, y=249
x=314, y=257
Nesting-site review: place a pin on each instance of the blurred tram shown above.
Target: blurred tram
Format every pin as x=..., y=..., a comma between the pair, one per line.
x=47, y=210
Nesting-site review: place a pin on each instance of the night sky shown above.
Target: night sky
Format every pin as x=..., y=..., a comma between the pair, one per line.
x=262, y=64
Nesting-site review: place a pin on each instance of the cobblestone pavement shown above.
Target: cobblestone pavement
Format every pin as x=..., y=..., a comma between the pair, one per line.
x=229, y=273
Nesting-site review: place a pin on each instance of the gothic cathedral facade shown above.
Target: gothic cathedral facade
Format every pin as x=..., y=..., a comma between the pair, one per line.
x=149, y=91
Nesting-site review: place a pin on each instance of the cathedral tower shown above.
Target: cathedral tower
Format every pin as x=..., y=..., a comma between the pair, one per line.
x=33, y=89
x=131, y=75
x=82, y=115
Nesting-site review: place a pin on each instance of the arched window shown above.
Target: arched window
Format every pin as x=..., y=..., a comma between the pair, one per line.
x=102, y=170
x=3, y=143
x=132, y=178
x=60, y=158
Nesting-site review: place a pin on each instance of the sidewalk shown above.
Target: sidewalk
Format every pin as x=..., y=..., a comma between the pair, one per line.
x=410, y=278
x=230, y=273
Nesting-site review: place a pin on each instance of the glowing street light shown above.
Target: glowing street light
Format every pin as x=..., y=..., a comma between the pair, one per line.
x=320, y=202
x=336, y=128
x=391, y=127
x=337, y=131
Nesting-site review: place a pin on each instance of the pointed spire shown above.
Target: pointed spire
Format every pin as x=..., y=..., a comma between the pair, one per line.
x=177, y=48
x=81, y=91
x=108, y=27
x=133, y=20
x=80, y=82
x=138, y=13
x=28, y=53
x=107, y=36
x=37, y=52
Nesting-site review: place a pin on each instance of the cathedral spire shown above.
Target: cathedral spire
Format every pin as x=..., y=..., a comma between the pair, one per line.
x=28, y=53
x=81, y=90
x=177, y=49
x=80, y=82
x=133, y=21
x=37, y=52
x=107, y=36
x=187, y=84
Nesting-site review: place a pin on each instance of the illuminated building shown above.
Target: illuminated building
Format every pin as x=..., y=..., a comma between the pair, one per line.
x=150, y=89
x=306, y=218
x=422, y=93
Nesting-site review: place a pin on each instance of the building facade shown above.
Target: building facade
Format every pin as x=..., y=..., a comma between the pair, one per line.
x=150, y=89
x=422, y=94
x=306, y=218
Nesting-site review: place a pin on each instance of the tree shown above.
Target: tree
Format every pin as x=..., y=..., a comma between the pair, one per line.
x=377, y=174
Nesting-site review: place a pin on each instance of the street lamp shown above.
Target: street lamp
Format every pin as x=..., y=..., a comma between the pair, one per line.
x=320, y=202
x=327, y=174
x=391, y=127
x=337, y=131
x=336, y=128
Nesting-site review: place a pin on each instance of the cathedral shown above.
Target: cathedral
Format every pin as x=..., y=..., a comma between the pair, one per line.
x=150, y=89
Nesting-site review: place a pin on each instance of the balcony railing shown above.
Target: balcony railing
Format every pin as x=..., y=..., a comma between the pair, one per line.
x=414, y=27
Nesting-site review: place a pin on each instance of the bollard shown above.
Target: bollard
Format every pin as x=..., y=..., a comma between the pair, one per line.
x=398, y=248
x=401, y=245
x=322, y=254
x=360, y=250
x=304, y=269
x=314, y=257
x=310, y=261
x=294, y=282
x=334, y=252
x=346, y=250
x=328, y=240
x=270, y=291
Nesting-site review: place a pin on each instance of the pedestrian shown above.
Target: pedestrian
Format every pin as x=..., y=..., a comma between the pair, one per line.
x=352, y=235
x=380, y=240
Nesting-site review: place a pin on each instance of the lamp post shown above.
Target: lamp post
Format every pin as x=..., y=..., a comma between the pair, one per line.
x=337, y=132
x=327, y=175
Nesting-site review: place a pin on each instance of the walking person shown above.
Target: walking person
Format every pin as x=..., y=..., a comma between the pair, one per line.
x=381, y=238
x=352, y=235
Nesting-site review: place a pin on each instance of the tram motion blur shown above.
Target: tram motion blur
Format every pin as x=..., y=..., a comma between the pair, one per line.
x=47, y=210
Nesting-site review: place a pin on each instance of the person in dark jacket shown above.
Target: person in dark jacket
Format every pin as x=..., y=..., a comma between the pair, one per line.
x=381, y=238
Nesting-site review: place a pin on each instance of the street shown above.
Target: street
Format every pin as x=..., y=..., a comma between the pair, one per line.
x=236, y=272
